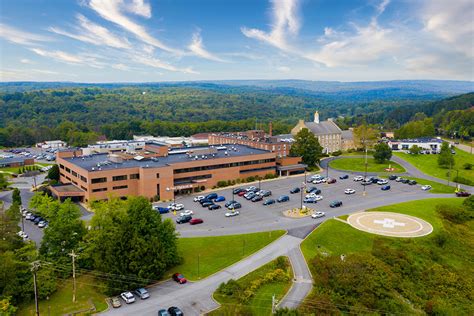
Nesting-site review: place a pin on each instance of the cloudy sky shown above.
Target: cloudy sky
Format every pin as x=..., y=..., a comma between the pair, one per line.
x=163, y=40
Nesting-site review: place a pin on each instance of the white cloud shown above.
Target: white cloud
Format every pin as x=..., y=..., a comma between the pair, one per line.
x=17, y=36
x=26, y=61
x=139, y=7
x=284, y=69
x=121, y=67
x=90, y=32
x=285, y=21
x=197, y=47
x=382, y=6
x=112, y=10
x=69, y=58
x=156, y=63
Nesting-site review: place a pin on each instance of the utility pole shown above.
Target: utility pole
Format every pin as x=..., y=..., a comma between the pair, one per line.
x=199, y=256
x=73, y=257
x=365, y=173
x=35, y=265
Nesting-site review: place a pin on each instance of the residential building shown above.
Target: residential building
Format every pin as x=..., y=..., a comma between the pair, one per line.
x=329, y=135
x=159, y=174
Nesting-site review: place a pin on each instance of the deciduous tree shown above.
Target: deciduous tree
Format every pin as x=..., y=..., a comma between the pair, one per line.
x=307, y=146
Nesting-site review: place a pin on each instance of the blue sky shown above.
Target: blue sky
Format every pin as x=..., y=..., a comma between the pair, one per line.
x=167, y=40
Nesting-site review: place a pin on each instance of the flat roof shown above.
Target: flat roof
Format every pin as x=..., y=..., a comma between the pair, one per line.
x=100, y=162
x=67, y=188
x=417, y=140
x=13, y=160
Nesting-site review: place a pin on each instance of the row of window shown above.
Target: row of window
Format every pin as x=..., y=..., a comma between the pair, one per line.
x=75, y=174
x=257, y=169
x=225, y=165
x=120, y=187
x=134, y=176
x=191, y=179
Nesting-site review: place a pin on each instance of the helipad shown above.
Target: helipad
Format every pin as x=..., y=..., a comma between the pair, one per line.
x=390, y=224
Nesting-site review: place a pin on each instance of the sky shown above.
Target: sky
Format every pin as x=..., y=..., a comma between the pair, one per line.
x=181, y=40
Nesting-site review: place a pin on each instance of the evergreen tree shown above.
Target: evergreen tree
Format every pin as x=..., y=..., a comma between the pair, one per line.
x=445, y=157
x=16, y=197
x=53, y=173
x=307, y=147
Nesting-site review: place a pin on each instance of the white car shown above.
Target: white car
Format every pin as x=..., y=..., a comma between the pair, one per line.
x=318, y=197
x=22, y=234
x=187, y=212
x=398, y=179
x=233, y=213
x=358, y=178
x=318, y=215
x=176, y=207
x=42, y=224
x=252, y=188
x=426, y=187
x=128, y=297
x=349, y=191
x=198, y=198
x=382, y=182
x=318, y=181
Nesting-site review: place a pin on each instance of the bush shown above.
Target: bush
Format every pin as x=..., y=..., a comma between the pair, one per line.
x=221, y=184
x=463, y=180
x=270, y=176
x=469, y=203
x=336, y=153
x=231, y=288
x=453, y=214
x=250, y=179
x=467, y=166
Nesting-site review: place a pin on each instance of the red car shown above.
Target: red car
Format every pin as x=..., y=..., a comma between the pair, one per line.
x=463, y=194
x=332, y=180
x=196, y=221
x=178, y=277
x=241, y=193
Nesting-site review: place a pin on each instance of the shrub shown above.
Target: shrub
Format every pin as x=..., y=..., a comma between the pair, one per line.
x=336, y=153
x=441, y=238
x=453, y=214
x=231, y=288
x=250, y=179
x=463, y=180
x=221, y=183
x=467, y=166
x=203, y=188
x=469, y=203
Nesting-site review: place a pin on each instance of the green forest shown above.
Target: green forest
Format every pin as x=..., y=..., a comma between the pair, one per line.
x=80, y=115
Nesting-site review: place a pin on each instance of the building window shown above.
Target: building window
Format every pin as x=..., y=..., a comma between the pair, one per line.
x=99, y=190
x=157, y=175
x=83, y=179
x=119, y=178
x=61, y=166
x=84, y=188
x=134, y=176
x=120, y=187
x=99, y=180
x=68, y=170
x=74, y=173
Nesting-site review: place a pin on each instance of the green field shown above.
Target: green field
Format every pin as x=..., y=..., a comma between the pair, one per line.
x=429, y=164
x=15, y=169
x=215, y=253
x=88, y=295
x=358, y=164
x=436, y=187
x=261, y=302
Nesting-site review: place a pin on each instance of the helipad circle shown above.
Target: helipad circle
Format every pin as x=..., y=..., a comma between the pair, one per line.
x=390, y=224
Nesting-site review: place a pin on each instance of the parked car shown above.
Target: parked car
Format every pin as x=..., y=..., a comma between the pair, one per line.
x=412, y=182
x=392, y=177
x=462, y=194
x=163, y=312
x=318, y=197
x=232, y=213
x=115, y=302
x=257, y=198
x=187, y=212
x=318, y=215
x=196, y=221
x=269, y=202
x=310, y=200
x=178, y=277
x=142, y=293
x=405, y=181
x=335, y=204
x=207, y=204
x=211, y=196
x=250, y=195
x=426, y=187
x=175, y=311
x=128, y=297
x=37, y=220
x=242, y=193
x=251, y=189
x=42, y=224
x=375, y=180
x=349, y=191
x=398, y=179
x=183, y=219
x=198, y=198
x=176, y=206
x=235, y=206
x=283, y=198
x=161, y=210
x=228, y=203
x=382, y=182
x=220, y=199
x=314, y=190
x=366, y=182
x=214, y=207
x=237, y=190
x=295, y=190
x=266, y=193
x=358, y=178
x=385, y=188
x=344, y=177
x=331, y=180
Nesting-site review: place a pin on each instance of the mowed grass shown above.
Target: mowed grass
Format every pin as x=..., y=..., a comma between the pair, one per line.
x=261, y=302
x=88, y=295
x=204, y=256
x=335, y=237
x=429, y=164
x=358, y=164
x=435, y=186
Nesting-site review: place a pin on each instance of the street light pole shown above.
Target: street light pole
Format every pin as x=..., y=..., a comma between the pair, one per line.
x=365, y=172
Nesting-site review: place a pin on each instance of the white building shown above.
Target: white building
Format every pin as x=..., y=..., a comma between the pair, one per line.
x=51, y=144
x=113, y=145
x=178, y=141
x=431, y=144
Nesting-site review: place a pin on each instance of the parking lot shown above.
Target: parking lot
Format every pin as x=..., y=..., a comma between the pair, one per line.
x=254, y=216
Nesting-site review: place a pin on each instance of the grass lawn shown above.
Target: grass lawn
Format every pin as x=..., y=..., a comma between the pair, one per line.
x=216, y=253
x=335, y=237
x=357, y=153
x=358, y=164
x=436, y=187
x=15, y=169
x=261, y=302
x=429, y=164
x=60, y=302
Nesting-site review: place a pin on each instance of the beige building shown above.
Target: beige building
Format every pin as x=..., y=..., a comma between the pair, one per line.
x=329, y=135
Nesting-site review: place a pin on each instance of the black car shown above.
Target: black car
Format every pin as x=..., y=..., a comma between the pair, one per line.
x=33, y=217
x=211, y=196
x=237, y=190
x=235, y=206
x=392, y=177
x=175, y=311
x=207, y=204
x=412, y=182
x=295, y=190
x=269, y=202
x=266, y=193
x=335, y=204
x=37, y=220
x=205, y=201
x=229, y=203
x=283, y=198
x=375, y=180
x=343, y=177
x=405, y=181
x=214, y=207
x=257, y=198
x=366, y=182
x=314, y=190
x=183, y=219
